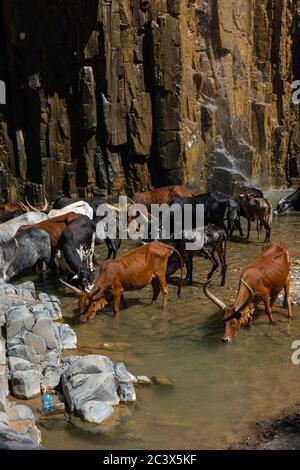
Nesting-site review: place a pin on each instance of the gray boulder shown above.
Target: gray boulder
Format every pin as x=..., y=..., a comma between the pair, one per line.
x=36, y=342
x=90, y=378
x=18, y=319
x=67, y=336
x=122, y=374
x=127, y=393
x=17, y=363
x=13, y=440
x=2, y=351
x=45, y=328
x=26, y=290
x=95, y=411
x=25, y=352
x=51, y=377
x=26, y=384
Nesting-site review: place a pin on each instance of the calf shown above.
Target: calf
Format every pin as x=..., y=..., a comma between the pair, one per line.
x=258, y=209
x=214, y=242
x=261, y=281
x=23, y=252
x=133, y=271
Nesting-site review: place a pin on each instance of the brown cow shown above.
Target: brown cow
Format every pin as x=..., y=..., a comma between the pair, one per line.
x=133, y=271
x=54, y=227
x=259, y=209
x=261, y=281
x=161, y=195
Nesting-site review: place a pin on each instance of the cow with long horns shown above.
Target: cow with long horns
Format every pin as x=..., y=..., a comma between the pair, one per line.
x=133, y=271
x=261, y=281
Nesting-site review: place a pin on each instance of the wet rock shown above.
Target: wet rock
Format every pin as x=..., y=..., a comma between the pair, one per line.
x=95, y=411
x=39, y=312
x=122, y=374
x=26, y=384
x=13, y=440
x=127, y=393
x=143, y=380
x=67, y=336
x=90, y=378
x=51, y=377
x=45, y=329
x=161, y=380
x=4, y=379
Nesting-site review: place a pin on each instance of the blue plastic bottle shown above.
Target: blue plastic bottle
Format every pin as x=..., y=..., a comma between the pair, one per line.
x=47, y=404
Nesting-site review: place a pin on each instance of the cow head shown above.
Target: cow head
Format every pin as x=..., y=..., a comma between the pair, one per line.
x=235, y=316
x=6, y=265
x=88, y=304
x=284, y=205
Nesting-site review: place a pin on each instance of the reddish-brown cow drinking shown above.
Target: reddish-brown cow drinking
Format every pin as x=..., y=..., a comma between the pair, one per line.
x=261, y=281
x=133, y=271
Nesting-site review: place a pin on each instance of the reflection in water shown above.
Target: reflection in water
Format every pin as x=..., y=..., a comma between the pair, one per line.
x=219, y=390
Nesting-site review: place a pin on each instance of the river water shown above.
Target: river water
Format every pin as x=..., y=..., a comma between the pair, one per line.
x=219, y=391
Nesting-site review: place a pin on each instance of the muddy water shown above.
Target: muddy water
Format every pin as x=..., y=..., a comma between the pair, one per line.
x=219, y=391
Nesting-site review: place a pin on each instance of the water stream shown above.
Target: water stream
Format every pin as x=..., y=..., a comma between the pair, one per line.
x=219, y=391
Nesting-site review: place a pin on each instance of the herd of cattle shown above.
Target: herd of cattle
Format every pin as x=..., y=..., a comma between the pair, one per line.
x=64, y=240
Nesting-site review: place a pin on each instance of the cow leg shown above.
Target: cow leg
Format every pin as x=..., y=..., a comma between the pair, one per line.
x=249, y=228
x=164, y=289
x=215, y=264
x=109, y=248
x=267, y=304
x=123, y=302
x=287, y=297
x=223, y=266
x=156, y=289
x=239, y=226
x=117, y=302
x=258, y=230
x=189, y=270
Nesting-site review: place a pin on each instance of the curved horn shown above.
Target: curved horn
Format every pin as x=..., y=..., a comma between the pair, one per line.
x=116, y=209
x=92, y=293
x=247, y=301
x=34, y=209
x=46, y=205
x=12, y=260
x=23, y=207
x=212, y=297
x=74, y=289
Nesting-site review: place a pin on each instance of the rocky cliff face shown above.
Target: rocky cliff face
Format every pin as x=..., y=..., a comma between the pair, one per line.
x=114, y=95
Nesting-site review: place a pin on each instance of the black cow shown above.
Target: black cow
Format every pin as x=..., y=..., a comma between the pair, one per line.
x=218, y=208
x=23, y=252
x=94, y=203
x=289, y=203
x=76, y=249
x=214, y=242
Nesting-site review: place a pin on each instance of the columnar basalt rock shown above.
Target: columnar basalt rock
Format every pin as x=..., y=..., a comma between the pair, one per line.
x=115, y=95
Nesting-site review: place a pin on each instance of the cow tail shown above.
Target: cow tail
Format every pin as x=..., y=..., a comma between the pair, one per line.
x=172, y=248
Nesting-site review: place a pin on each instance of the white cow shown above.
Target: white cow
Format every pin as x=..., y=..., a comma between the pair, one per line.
x=79, y=207
x=9, y=229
